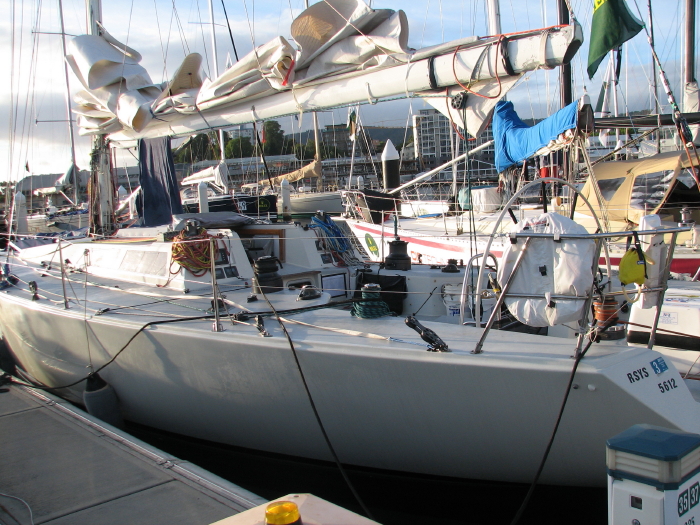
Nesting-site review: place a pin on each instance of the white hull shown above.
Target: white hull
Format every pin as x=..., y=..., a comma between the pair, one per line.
x=386, y=404
x=383, y=406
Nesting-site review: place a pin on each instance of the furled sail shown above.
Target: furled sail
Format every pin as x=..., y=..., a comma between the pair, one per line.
x=266, y=69
x=61, y=183
x=347, y=35
x=310, y=171
x=217, y=175
x=348, y=53
x=119, y=93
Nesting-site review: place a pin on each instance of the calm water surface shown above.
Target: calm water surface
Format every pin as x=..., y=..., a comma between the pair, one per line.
x=393, y=499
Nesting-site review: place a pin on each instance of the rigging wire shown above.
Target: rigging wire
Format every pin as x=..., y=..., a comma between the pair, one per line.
x=228, y=25
x=162, y=50
x=543, y=461
x=181, y=30
x=204, y=43
x=315, y=410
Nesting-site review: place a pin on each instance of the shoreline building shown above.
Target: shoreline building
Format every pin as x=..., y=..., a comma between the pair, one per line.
x=435, y=141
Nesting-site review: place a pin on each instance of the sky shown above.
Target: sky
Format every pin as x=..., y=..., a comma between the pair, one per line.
x=33, y=127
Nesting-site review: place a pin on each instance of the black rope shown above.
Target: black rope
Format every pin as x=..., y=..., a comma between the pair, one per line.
x=229, y=30
x=262, y=153
x=371, y=308
x=421, y=306
x=91, y=374
x=578, y=358
x=316, y=414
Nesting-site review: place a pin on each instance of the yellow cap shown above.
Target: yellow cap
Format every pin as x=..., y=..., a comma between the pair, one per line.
x=282, y=513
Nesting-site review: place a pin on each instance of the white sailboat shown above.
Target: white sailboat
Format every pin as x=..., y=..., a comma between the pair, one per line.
x=201, y=333
x=73, y=216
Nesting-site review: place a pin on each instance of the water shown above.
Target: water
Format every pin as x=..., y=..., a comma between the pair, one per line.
x=392, y=498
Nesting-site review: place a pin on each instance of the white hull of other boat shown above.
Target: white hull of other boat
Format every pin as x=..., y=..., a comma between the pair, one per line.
x=433, y=240
x=384, y=400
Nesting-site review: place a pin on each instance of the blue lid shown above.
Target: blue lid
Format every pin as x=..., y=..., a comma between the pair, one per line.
x=655, y=442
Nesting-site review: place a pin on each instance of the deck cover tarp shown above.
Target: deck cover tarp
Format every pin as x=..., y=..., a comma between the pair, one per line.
x=515, y=141
x=633, y=188
x=160, y=195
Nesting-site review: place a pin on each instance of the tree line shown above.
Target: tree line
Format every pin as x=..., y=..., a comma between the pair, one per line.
x=205, y=146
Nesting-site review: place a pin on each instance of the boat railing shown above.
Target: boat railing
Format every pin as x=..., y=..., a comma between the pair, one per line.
x=599, y=238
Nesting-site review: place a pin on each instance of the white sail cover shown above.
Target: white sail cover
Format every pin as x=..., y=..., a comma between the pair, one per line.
x=119, y=92
x=266, y=69
x=347, y=53
x=218, y=175
x=550, y=270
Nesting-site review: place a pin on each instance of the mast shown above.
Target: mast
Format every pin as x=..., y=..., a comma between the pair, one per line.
x=101, y=174
x=76, y=181
x=615, y=110
x=216, y=70
x=493, y=15
x=565, y=79
x=653, y=78
x=689, y=41
x=317, y=142
x=690, y=84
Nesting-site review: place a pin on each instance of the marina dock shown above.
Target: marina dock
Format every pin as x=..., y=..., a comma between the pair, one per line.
x=71, y=468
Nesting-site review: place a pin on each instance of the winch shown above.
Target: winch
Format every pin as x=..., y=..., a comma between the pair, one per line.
x=398, y=258
x=267, y=278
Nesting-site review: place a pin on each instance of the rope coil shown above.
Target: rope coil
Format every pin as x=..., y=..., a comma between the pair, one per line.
x=193, y=252
x=371, y=306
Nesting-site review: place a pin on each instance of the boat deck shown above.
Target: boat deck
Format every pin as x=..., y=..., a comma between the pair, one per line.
x=70, y=468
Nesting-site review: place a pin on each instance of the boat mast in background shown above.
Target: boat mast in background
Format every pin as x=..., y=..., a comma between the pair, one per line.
x=216, y=71
x=565, y=78
x=565, y=82
x=317, y=142
x=101, y=218
x=691, y=99
x=493, y=15
x=689, y=41
x=76, y=179
x=654, y=91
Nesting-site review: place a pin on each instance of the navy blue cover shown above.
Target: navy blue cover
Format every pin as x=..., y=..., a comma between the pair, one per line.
x=515, y=141
x=160, y=197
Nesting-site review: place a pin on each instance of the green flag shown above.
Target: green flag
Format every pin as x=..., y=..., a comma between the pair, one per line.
x=612, y=25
